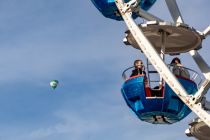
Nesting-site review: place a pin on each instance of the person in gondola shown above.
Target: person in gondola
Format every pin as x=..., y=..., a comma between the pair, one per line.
x=139, y=68
x=178, y=68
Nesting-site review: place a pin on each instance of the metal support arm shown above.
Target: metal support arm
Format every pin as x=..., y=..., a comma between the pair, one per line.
x=131, y=5
x=148, y=16
x=206, y=32
x=205, y=69
x=134, y=7
x=174, y=10
x=203, y=66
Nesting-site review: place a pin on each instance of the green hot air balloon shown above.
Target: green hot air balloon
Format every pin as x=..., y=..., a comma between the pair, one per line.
x=54, y=84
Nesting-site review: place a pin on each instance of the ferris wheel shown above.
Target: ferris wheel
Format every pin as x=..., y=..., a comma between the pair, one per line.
x=178, y=95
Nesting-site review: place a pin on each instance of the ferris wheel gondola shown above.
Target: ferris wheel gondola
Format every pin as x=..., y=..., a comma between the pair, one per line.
x=158, y=105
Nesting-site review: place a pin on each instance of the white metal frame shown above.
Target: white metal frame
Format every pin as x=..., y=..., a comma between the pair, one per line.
x=206, y=72
x=147, y=15
x=193, y=102
x=206, y=31
x=174, y=10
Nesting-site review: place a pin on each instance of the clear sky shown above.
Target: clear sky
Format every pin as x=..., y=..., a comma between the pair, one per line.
x=42, y=40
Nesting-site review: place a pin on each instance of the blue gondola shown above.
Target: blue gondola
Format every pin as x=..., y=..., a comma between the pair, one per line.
x=108, y=7
x=156, y=106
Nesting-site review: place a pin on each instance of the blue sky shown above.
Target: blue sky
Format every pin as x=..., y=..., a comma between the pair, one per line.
x=71, y=41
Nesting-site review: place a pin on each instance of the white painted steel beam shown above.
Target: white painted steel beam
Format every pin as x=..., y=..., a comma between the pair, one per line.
x=148, y=16
x=206, y=32
x=174, y=10
x=159, y=65
x=205, y=69
x=203, y=66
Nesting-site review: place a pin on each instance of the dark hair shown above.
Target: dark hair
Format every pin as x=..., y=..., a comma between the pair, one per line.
x=136, y=61
x=176, y=58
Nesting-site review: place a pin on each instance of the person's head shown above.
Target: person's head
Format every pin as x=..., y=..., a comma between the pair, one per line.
x=138, y=64
x=176, y=61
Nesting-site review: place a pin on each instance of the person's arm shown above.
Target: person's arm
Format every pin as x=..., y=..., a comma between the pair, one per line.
x=133, y=73
x=180, y=65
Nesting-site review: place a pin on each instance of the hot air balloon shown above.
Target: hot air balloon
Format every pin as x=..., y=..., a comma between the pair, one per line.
x=54, y=84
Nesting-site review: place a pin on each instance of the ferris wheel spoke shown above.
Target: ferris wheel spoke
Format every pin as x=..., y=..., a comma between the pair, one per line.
x=205, y=69
x=206, y=32
x=174, y=10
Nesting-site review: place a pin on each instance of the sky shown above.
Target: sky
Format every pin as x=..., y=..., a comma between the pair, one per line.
x=43, y=40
